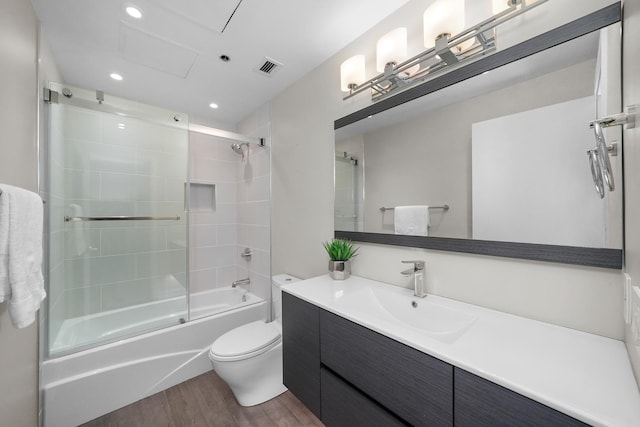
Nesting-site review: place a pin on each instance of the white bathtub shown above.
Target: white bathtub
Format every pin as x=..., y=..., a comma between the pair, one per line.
x=84, y=331
x=82, y=386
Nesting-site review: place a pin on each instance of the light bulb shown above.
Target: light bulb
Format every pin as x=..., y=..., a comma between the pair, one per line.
x=133, y=11
x=352, y=73
x=445, y=17
x=392, y=49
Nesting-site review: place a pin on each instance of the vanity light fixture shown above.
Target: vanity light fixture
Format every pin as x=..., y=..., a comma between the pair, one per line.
x=115, y=76
x=448, y=45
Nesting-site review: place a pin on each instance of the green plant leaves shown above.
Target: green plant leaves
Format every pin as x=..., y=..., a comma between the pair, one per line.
x=340, y=249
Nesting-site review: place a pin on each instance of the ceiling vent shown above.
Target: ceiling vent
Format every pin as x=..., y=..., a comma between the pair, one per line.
x=268, y=67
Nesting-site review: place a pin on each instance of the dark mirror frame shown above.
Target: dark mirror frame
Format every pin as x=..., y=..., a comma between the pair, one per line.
x=594, y=257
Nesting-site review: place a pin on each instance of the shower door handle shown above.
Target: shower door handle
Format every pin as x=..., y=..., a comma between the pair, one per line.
x=121, y=218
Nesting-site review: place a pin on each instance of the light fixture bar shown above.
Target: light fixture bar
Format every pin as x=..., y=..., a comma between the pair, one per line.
x=441, y=58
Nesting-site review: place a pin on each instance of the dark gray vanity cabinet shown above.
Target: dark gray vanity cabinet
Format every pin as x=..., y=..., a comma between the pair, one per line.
x=345, y=406
x=415, y=386
x=481, y=403
x=349, y=375
x=301, y=350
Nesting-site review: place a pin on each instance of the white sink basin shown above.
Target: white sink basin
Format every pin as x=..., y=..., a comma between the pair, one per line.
x=401, y=308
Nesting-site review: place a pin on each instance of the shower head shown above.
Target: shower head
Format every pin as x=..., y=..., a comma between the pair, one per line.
x=237, y=148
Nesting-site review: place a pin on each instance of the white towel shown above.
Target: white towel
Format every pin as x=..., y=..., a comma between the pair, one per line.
x=21, y=281
x=411, y=220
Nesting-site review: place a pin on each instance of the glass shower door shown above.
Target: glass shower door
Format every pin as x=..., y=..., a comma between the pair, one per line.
x=117, y=221
x=348, y=193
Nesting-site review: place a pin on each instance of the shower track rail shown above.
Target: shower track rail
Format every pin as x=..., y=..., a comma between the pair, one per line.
x=121, y=218
x=443, y=207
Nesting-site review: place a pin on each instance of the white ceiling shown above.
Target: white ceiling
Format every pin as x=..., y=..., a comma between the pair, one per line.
x=170, y=58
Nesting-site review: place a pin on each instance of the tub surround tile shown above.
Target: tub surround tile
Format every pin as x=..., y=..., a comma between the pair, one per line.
x=260, y=262
x=212, y=256
x=219, y=237
x=227, y=234
x=116, y=241
x=201, y=145
x=204, y=235
x=176, y=236
x=225, y=171
x=97, y=157
x=100, y=270
x=80, y=184
x=203, y=280
x=226, y=192
x=80, y=241
x=160, y=263
x=117, y=186
x=175, y=191
x=125, y=294
x=160, y=209
x=82, y=301
x=226, y=276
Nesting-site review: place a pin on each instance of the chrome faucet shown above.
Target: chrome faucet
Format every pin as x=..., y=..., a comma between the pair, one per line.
x=419, y=288
x=246, y=281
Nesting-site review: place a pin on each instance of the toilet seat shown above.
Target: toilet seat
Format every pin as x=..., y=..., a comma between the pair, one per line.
x=245, y=342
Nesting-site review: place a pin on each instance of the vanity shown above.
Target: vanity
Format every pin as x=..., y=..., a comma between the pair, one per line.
x=360, y=353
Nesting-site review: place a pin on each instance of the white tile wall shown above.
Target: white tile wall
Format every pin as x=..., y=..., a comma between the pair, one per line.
x=241, y=217
x=254, y=195
x=212, y=244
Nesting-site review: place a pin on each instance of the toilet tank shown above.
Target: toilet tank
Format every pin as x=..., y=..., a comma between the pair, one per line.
x=276, y=294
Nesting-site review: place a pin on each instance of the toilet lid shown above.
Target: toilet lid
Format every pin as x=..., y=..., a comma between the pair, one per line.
x=246, y=340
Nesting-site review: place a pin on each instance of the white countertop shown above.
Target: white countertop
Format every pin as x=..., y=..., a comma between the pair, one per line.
x=583, y=375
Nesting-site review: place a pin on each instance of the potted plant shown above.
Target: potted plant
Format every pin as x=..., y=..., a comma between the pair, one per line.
x=340, y=252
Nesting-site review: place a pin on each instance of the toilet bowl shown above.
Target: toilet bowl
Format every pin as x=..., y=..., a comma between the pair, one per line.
x=249, y=357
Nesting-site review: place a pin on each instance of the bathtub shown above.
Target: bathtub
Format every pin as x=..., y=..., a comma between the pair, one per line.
x=85, y=385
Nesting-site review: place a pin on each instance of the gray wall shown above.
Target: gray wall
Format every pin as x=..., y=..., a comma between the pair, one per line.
x=18, y=161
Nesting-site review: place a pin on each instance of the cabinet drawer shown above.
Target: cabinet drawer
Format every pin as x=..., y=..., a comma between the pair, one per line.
x=479, y=402
x=301, y=350
x=344, y=406
x=416, y=387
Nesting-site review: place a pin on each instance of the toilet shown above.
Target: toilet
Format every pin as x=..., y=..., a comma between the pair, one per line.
x=249, y=357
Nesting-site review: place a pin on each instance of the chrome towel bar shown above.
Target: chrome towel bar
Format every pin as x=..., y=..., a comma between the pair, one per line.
x=443, y=207
x=121, y=218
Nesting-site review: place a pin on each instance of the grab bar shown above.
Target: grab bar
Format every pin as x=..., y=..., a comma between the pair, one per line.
x=444, y=207
x=121, y=218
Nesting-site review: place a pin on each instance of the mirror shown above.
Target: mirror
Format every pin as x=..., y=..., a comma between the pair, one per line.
x=499, y=157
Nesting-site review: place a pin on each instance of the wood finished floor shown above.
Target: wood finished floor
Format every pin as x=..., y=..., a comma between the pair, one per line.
x=206, y=400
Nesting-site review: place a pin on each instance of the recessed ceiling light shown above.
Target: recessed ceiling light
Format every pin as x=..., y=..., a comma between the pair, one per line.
x=133, y=11
x=115, y=76
x=213, y=105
